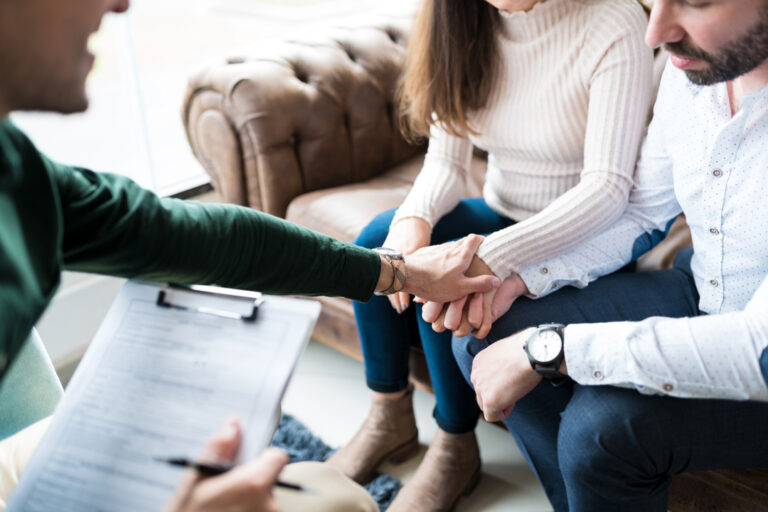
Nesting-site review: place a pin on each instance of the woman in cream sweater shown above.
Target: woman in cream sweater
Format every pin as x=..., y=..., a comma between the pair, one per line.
x=557, y=93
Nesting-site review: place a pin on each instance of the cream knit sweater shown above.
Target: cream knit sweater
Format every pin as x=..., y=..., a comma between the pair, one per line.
x=562, y=131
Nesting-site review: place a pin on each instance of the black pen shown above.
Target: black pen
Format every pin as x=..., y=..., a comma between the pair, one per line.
x=217, y=469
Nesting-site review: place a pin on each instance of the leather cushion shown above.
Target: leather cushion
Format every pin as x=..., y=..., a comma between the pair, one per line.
x=342, y=212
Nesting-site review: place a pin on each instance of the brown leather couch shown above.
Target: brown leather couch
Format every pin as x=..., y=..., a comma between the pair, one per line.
x=307, y=130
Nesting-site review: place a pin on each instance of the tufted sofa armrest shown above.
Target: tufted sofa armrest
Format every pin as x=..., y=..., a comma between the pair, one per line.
x=293, y=117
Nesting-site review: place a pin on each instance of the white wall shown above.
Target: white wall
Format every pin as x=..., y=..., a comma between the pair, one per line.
x=71, y=321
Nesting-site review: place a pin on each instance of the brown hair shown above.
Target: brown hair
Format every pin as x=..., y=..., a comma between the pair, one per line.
x=450, y=67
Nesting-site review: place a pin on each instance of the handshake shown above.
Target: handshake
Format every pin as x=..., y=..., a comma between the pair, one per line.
x=459, y=290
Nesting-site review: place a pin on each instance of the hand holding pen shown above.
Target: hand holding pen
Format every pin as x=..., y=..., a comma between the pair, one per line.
x=217, y=469
x=243, y=488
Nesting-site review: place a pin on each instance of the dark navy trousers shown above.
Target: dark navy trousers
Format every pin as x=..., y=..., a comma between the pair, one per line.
x=607, y=448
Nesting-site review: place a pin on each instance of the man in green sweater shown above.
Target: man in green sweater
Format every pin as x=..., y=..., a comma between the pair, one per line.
x=55, y=217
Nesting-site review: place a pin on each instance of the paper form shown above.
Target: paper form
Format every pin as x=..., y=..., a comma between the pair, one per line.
x=159, y=382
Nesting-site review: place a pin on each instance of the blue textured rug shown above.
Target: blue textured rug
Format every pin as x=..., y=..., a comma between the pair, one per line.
x=301, y=444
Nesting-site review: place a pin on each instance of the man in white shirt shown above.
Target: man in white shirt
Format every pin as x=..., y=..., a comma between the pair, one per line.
x=639, y=347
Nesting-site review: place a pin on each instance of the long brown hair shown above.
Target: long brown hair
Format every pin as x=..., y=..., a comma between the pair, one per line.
x=450, y=68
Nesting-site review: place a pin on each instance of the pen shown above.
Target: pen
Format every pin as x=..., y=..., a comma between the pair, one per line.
x=217, y=469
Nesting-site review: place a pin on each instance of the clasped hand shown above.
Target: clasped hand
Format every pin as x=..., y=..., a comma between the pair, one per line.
x=438, y=272
x=453, y=305
x=477, y=312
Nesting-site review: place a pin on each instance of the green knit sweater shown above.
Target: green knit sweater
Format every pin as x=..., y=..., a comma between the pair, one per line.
x=55, y=217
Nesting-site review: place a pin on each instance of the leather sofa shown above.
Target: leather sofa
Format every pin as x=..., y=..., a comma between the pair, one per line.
x=306, y=129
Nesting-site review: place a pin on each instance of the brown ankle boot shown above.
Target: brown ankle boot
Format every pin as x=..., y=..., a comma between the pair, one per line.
x=388, y=433
x=449, y=470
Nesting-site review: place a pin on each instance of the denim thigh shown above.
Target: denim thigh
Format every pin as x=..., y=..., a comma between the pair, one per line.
x=535, y=420
x=386, y=337
x=617, y=449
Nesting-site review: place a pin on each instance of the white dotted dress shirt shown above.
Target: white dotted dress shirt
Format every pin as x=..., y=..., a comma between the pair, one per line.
x=713, y=166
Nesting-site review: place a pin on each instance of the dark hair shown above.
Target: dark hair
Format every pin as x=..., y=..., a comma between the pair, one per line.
x=451, y=65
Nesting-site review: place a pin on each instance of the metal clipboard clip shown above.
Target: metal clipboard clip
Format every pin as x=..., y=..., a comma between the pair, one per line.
x=254, y=297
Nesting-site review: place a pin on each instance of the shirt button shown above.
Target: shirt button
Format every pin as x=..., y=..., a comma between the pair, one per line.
x=714, y=282
x=717, y=173
x=544, y=270
x=554, y=286
x=714, y=231
x=668, y=387
x=598, y=374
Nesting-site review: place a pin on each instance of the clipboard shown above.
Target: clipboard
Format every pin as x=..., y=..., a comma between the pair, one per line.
x=168, y=365
x=255, y=299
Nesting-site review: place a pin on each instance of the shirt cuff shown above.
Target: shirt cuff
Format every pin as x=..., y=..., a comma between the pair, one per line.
x=538, y=281
x=597, y=354
x=549, y=276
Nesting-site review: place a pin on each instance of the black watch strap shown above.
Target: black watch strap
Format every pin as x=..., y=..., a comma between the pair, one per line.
x=552, y=375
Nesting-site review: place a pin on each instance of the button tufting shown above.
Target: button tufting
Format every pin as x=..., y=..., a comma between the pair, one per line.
x=393, y=36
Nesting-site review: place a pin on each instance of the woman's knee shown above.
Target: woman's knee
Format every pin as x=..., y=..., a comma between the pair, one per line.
x=374, y=234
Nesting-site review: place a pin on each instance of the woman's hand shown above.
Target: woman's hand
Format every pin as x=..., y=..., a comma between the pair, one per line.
x=477, y=312
x=407, y=235
x=458, y=315
x=246, y=488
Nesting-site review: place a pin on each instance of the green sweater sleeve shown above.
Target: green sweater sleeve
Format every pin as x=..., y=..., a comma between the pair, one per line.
x=113, y=226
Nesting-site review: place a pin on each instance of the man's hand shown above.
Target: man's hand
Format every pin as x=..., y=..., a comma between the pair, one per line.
x=502, y=375
x=407, y=236
x=437, y=273
x=246, y=488
x=478, y=312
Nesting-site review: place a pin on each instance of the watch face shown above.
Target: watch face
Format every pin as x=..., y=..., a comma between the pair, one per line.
x=545, y=346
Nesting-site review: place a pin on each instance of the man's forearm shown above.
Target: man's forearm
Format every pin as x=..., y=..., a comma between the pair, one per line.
x=115, y=227
x=710, y=356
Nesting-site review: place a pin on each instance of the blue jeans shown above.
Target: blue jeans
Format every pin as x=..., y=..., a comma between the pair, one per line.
x=387, y=337
x=609, y=448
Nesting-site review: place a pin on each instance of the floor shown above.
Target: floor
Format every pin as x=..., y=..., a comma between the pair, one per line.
x=328, y=395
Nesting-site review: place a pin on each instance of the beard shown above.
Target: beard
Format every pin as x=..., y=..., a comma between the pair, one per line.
x=733, y=59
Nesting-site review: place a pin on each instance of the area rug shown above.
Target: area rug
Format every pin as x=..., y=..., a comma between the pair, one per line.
x=301, y=444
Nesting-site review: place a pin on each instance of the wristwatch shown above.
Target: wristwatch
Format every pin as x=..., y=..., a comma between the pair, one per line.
x=399, y=275
x=545, y=350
